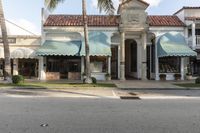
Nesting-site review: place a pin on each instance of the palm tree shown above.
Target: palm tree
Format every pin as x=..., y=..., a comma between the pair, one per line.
x=106, y=5
x=7, y=67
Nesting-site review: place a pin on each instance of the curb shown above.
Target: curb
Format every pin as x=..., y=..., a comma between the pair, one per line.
x=159, y=88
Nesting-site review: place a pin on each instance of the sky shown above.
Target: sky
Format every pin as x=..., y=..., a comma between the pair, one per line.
x=27, y=13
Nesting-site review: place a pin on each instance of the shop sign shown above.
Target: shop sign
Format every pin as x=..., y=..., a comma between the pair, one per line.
x=10, y=40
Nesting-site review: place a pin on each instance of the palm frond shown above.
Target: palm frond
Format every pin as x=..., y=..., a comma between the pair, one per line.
x=52, y=4
x=107, y=6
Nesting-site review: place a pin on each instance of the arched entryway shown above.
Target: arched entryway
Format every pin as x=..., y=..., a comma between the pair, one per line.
x=131, y=59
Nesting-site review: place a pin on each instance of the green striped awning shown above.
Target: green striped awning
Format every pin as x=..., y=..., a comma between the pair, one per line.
x=173, y=44
x=99, y=44
x=60, y=48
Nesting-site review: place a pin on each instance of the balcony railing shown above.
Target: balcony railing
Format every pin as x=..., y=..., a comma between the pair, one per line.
x=197, y=42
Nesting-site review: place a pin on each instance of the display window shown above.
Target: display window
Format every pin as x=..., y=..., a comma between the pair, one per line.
x=98, y=64
x=63, y=64
x=169, y=65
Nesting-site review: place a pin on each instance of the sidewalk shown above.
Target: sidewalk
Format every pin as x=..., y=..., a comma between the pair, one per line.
x=62, y=93
x=150, y=85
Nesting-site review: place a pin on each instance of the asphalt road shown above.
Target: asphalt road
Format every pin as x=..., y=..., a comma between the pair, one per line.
x=98, y=115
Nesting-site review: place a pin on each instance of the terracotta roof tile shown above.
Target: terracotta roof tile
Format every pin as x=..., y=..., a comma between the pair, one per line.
x=106, y=21
x=76, y=20
x=165, y=21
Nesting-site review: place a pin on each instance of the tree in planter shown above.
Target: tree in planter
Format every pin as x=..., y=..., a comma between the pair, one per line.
x=106, y=5
x=7, y=67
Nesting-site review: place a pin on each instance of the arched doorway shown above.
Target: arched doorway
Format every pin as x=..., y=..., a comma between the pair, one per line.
x=131, y=59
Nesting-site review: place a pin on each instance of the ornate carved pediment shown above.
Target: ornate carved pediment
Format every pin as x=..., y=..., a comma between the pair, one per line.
x=133, y=15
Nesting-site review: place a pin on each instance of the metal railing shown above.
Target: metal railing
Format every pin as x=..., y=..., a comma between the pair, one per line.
x=198, y=40
x=190, y=42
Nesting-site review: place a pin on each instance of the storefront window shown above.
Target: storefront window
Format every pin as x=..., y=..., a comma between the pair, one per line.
x=28, y=67
x=169, y=65
x=63, y=64
x=98, y=64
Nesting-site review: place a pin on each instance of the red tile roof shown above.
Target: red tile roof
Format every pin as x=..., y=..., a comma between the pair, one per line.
x=192, y=18
x=165, y=21
x=187, y=7
x=76, y=20
x=106, y=21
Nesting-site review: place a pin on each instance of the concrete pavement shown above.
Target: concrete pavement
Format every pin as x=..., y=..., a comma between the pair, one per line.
x=83, y=115
x=138, y=84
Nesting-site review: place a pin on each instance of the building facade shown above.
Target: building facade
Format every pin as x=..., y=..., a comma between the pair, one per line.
x=130, y=45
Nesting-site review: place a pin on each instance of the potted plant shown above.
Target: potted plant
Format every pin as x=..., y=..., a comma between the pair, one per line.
x=188, y=76
x=162, y=77
x=108, y=76
x=83, y=75
x=177, y=76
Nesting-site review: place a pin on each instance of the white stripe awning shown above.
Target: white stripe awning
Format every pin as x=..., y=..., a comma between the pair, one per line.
x=22, y=53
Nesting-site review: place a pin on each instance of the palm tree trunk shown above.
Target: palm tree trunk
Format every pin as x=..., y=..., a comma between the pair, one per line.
x=87, y=56
x=7, y=73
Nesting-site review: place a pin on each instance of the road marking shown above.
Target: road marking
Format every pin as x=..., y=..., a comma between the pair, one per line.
x=114, y=94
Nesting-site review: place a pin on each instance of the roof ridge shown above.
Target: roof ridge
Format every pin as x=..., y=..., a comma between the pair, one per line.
x=79, y=15
x=163, y=15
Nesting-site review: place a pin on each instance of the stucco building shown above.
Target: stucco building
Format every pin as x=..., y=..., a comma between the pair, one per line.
x=129, y=45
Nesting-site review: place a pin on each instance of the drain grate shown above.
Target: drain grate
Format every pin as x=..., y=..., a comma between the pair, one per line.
x=130, y=96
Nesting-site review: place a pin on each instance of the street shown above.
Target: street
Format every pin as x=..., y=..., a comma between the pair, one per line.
x=98, y=115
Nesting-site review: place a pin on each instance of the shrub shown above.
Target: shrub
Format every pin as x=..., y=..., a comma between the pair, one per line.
x=162, y=76
x=177, y=76
x=107, y=76
x=94, y=80
x=197, y=81
x=16, y=79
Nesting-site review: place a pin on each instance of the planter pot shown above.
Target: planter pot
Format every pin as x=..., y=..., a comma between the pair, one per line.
x=188, y=77
x=177, y=78
x=108, y=78
x=163, y=78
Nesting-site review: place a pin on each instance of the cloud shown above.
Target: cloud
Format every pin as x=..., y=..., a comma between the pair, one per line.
x=22, y=27
x=153, y=2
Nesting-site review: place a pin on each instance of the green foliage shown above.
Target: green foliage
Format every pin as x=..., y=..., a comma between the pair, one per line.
x=162, y=76
x=107, y=75
x=94, y=80
x=16, y=79
x=197, y=81
x=177, y=75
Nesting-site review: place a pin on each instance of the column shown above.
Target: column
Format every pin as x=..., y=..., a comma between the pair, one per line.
x=144, y=56
x=156, y=62
x=109, y=65
x=122, y=56
x=139, y=60
x=118, y=62
x=82, y=66
x=15, y=67
x=193, y=36
x=182, y=68
x=42, y=68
